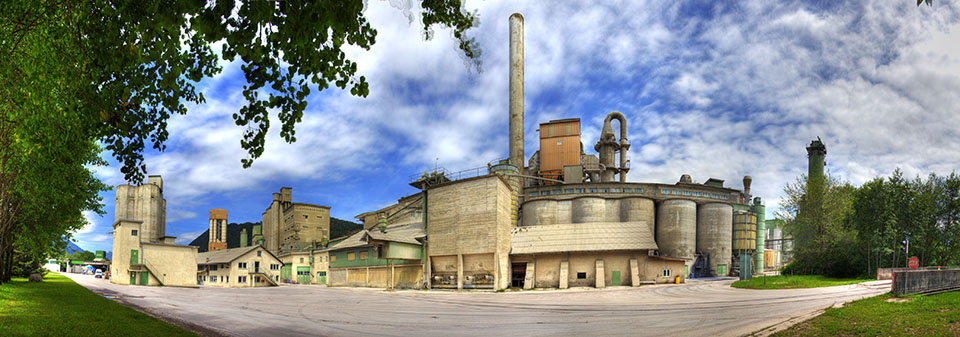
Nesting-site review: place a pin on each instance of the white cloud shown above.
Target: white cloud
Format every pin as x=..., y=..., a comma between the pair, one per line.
x=185, y=238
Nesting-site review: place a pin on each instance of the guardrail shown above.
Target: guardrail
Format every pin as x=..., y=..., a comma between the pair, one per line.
x=925, y=281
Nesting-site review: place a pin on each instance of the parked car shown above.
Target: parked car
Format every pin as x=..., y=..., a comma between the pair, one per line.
x=98, y=274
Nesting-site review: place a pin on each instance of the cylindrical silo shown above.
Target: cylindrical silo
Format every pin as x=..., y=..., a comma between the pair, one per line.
x=540, y=212
x=744, y=231
x=761, y=212
x=564, y=211
x=715, y=235
x=611, y=210
x=588, y=209
x=637, y=210
x=677, y=228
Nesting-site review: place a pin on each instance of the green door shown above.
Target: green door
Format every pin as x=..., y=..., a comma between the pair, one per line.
x=615, y=277
x=322, y=277
x=285, y=272
x=721, y=270
x=303, y=275
x=134, y=256
x=144, y=278
x=133, y=278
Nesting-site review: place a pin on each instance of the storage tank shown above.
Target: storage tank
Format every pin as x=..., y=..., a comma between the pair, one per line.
x=588, y=209
x=564, y=211
x=744, y=231
x=715, y=235
x=761, y=212
x=677, y=228
x=611, y=210
x=638, y=209
x=540, y=212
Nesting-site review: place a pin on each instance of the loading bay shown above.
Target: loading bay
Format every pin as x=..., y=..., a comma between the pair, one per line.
x=698, y=308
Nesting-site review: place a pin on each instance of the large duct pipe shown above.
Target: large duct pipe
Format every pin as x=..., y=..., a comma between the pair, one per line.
x=607, y=147
x=516, y=90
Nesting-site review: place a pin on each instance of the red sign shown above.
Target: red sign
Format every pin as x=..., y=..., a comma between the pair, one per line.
x=913, y=263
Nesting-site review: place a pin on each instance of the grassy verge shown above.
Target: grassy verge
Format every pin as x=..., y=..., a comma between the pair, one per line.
x=59, y=307
x=933, y=315
x=797, y=281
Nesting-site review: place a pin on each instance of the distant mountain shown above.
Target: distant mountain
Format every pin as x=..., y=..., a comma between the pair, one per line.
x=73, y=248
x=338, y=228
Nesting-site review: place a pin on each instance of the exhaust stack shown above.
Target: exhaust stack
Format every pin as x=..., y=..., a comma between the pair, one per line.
x=516, y=91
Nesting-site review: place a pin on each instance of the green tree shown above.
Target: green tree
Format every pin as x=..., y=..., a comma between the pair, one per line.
x=83, y=256
x=823, y=242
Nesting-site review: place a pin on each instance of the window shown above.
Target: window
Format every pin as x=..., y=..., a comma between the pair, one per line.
x=664, y=191
x=615, y=190
x=301, y=260
x=276, y=278
x=714, y=196
x=638, y=190
x=319, y=217
x=351, y=256
x=242, y=265
x=321, y=273
x=686, y=193
x=725, y=197
x=213, y=267
x=592, y=190
x=581, y=190
x=627, y=190
x=666, y=273
x=544, y=192
x=581, y=276
x=555, y=192
x=696, y=194
x=305, y=216
x=568, y=191
x=364, y=255
x=534, y=193
x=604, y=190
x=241, y=279
x=213, y=279
x=133, y=232
x=258, y=253
x=333, y=258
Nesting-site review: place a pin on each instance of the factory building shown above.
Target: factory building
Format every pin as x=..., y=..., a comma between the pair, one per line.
x=143, y=254
x=292, y=226
x=218, y=230
x=565, y=218
x=252, y=266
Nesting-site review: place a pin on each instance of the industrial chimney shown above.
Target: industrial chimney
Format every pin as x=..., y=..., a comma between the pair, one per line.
x=516, y=91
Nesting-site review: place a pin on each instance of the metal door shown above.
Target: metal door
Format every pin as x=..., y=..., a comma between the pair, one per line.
x=615, y=277
x=303, y=275
x=134, y=256
x=133, y=278
x=144, y=278
x=256, y=266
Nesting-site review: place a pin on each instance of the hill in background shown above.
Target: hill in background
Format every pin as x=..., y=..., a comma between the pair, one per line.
x=338, y=228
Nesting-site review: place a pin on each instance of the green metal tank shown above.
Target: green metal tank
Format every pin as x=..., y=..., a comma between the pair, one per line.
x=761, y=212
x=243, y=238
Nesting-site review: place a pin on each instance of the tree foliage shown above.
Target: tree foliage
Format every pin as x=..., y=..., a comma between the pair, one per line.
x=844, y=230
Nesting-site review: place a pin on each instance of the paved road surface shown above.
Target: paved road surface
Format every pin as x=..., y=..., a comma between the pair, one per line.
x=705, y=308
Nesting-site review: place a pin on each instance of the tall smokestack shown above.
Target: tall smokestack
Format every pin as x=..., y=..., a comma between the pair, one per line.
x=815, y=159
x=516, y=90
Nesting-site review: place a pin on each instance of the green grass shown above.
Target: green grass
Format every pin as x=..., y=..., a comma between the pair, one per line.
x=60, y=307
x=797, y=281
x=924, y=315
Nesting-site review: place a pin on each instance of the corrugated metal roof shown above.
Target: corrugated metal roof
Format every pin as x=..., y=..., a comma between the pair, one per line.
x=581, y=237
x=405, y=233
x=223, y=256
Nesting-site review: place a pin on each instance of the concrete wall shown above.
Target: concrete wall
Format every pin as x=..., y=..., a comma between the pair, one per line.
x=124, y=240
x=171, y=265
x=548, y=268
x=321, y=263
x=395, y=276
x=228, y=274
x=296, y=260
x=304, y=224
x=923, y=281
x=470, y=217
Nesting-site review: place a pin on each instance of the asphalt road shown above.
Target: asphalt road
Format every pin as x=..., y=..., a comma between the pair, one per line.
x=704, y=308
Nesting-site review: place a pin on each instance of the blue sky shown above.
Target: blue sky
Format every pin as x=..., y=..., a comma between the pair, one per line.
x=710, y=89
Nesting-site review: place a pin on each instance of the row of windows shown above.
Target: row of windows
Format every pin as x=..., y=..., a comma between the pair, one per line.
x=274, y=266
x=695, y=194
x=586, y=190
x=302, y=272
